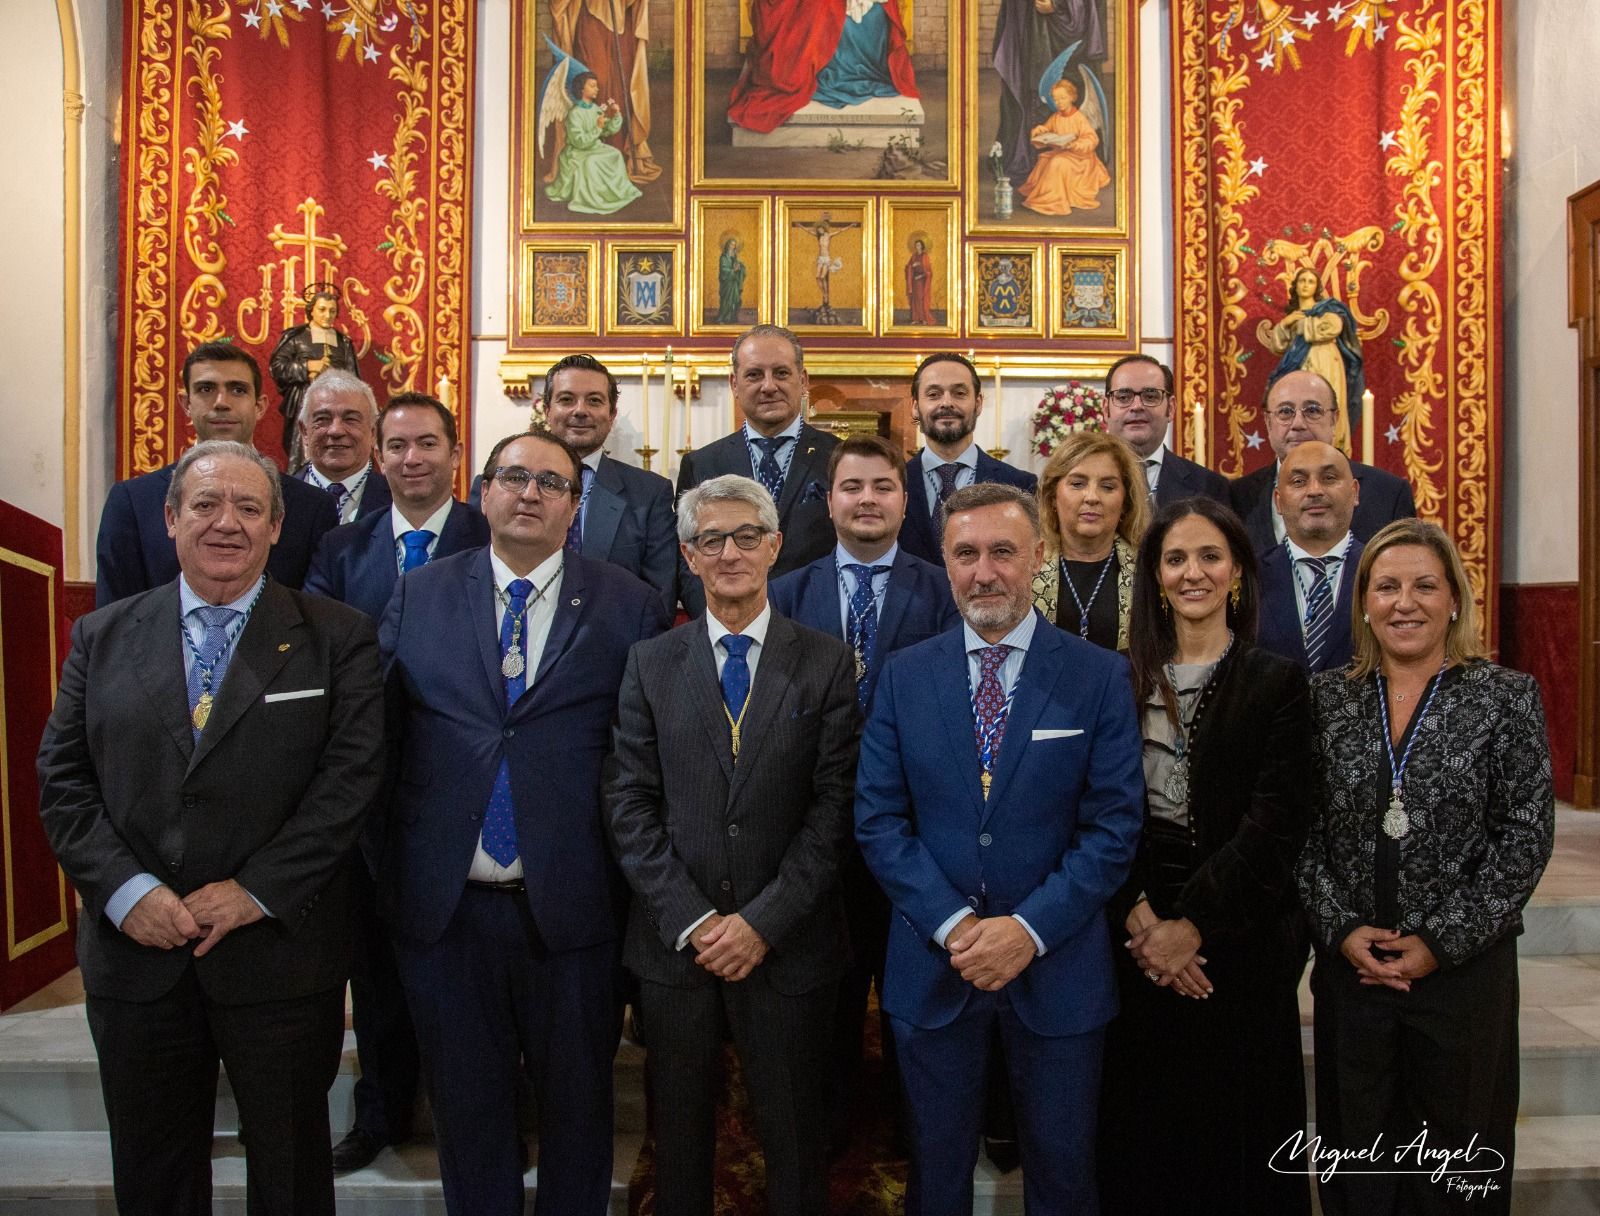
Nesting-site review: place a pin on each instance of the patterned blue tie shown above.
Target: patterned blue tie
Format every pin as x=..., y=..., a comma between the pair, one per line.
x=210, y=657
x=947, y=474
x=499, y=820
x=574, y=541
x=416, y=543
x=862, y=635
x=990, y=708
x=337, y=490
x=736, y=673
x=1319, y=610
x=769, y=470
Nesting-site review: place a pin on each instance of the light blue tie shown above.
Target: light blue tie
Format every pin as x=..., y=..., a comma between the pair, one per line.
x=499, y=818
x=416, y=544
x=210, y=662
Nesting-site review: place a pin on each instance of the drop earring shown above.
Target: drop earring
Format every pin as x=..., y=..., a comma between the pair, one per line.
x=1233, y=595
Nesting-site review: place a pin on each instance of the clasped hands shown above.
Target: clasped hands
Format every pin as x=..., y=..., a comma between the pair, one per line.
x=1170, y=948
x=727, y=946
x=991, y=952
x=163, y=920
x=1412, y=959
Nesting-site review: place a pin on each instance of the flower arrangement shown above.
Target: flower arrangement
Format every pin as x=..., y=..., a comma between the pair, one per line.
x=1066, y=408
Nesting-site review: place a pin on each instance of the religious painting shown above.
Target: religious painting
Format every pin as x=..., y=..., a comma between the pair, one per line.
x=825, y=284
x=729, y=291
x=1003, y=290
x=600, y=98
x=644, y=287
x=559, y=295
x=1050, y=116
x=825, y=92
x=917, y=265
x=1088, y=293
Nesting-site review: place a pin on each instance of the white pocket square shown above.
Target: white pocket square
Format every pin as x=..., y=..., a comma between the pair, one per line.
x=1039, y=736
x=294, y=696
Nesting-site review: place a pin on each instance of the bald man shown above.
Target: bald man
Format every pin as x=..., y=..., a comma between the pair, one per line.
x=1299, y=409
x=1308, y=579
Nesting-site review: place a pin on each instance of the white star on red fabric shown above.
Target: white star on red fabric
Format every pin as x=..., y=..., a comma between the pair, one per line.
x=371, y=53
x=1337, y=11
x=1392, y=434
x=327, y=11
x=1267, y=60
x=253, y=19
x=1286, y=38
x=1309, y=19
x=302, y=5
x=237, y=129
x=1379, y=30
x=351, y=29
x=1258, y=167
x=274, y=9
x=378, y=160
x=1388, y=141
x=1252, y=440
x=1360, y=20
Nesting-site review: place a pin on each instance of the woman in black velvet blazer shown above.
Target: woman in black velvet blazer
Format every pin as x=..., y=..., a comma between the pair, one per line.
x=1203, y=1073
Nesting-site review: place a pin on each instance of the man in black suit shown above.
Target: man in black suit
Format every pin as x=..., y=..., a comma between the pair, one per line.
x=222, y=395
x=359, y=564
x=337, y=418
x=1308, y=580
x=946, y=401
x=201, y=786
x=775, y=446
x=625, y=514
x=728, y=794
x=877, y=598
x=1299, y=408
x=1139, y=403
x=504, y=665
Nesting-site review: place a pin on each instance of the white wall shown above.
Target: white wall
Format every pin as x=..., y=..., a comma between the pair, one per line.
x=1551, y=48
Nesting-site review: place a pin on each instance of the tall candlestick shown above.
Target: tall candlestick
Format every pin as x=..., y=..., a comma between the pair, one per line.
x=1199, y=443
x=644, y=421
x=1369, y=428
x=999, y=451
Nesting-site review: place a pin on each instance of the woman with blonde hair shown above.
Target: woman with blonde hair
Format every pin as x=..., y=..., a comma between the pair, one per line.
x=1093, y=506
x=1438, y=819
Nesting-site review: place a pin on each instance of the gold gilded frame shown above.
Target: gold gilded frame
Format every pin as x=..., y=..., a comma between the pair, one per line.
x=891, y=268
x=529, y=251
x=526, y=172
x=1120, y=294
x=16, y=949
x=612, y=295
x=702, y=211
x=1123, y=18
x=697, y=132
x=1033, y=254
x=868, y=209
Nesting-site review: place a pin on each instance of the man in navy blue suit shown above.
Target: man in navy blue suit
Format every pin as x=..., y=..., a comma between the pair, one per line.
x=504, y=665
x=625, y=513
x=946, y=401
x=359, y=564
x=876, y=597
x=1307, y=581
x=1139, y=411
x=222, y=395
x=999, y=800
x=337, y=420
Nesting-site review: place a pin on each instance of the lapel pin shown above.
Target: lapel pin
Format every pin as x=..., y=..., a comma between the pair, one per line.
x=576, y=601
x=282, y=646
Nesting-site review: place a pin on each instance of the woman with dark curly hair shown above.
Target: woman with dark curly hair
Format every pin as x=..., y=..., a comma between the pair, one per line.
x=1207, y=929
x=1439, y=819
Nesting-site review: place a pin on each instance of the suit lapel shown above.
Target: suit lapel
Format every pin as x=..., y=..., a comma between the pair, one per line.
x=456, y=534
x=802, y=470
x=568, y=608
x=953, y=693
x=479, y=592
x=377, y=565
x=919, y=514
x=1280, y=597
x=896, y=599
x=263, y=648
x=1339, y=636
x=1034, y=682
x=705, y=691
x=774, y=674
x=159, y=661
x=819, y=599
x=604, y=511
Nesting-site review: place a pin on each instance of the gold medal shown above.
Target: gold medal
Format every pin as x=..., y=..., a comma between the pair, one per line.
x=202, y=711
x=861, y=667
x=987, y=780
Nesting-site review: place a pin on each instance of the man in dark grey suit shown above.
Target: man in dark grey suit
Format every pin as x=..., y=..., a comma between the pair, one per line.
x=1139, y=402
x=338, y=425
x=775, y=446
x=625, y=514
x=201, y=786
x=728, y=795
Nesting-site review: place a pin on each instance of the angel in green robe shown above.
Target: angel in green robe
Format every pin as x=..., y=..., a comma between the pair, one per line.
x=591, y=176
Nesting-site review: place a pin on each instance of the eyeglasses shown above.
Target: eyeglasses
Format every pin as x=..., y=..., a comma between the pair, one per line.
x=746, y=536
x=1310, y=411
x=516, y=478
x=1150, y=396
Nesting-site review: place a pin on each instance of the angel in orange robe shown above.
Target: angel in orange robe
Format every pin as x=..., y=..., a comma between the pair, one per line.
x=1069, y=174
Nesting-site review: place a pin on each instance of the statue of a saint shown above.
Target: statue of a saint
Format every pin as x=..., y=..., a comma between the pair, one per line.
x=730, y=282
x=302, y=354
x=1319, y=333
x=824, y=229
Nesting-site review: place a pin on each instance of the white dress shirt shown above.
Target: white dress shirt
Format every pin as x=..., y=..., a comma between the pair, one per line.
x=401, y=525
x=535, y=632
x=1152, y=467
x=965, y=475
x=350, y=502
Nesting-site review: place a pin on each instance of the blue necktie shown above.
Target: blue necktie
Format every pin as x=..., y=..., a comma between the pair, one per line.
x=1319, y=611
x=416, y=544
x=574, y=542
x=862, y=635
x=499, y=819
x=209, y=658
x=769, y=471
x=990, y=708
x=337, y=490
x=736, y=673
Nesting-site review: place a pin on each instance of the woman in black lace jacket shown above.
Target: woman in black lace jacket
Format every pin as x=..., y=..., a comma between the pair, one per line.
x=1439, y=820
x=1203, y=1072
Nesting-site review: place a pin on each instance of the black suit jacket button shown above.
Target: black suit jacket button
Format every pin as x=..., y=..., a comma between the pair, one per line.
x=190, y=801
x=507, y=733
x=733, y=829
x=726, y=885
x=175, y=865
x=986, y=840
x=972, y=902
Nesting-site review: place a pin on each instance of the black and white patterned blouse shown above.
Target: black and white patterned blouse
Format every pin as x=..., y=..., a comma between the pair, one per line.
x=1479, y=796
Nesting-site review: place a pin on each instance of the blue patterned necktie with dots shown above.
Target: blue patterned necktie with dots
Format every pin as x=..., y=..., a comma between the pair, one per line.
x=769, y=470
x=862, y=636
x=499, y=819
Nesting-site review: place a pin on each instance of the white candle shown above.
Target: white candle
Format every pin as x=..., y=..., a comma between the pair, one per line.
x=998, y=407
x=644, y=423
x=444, y=391
x=1199, y=433
x=1369, y=428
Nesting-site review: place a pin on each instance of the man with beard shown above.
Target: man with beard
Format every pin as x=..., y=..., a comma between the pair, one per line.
x=999, y=800
x=946, y=401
